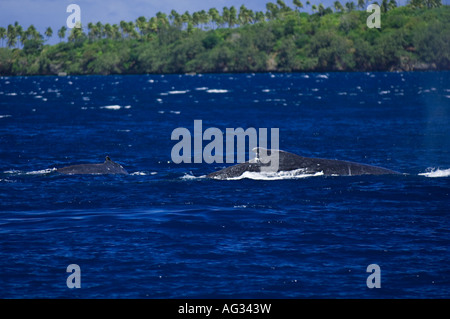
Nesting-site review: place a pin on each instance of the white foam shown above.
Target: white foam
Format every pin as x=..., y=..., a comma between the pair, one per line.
x=191, y=177
x=437, y=173
x=217, y=91
x=138, y=173
x=175, y=112
x=322, y=76
x=178, y=92
x=111, y=107
x=42, y=171
x=201, y=89
x=11, y=94
x=39, y=172
x=266, y=90
x=3, y=116
x=271, y=176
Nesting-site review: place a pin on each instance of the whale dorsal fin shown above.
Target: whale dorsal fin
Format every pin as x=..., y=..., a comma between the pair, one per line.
x=107, y=159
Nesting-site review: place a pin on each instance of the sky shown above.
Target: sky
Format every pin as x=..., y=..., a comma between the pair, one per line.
x=52, y=13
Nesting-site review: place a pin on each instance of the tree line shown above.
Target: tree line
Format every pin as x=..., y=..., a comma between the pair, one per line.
x=282, y=38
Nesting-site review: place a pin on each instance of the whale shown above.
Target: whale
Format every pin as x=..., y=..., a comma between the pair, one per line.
x=107, y=167
x=306, y=165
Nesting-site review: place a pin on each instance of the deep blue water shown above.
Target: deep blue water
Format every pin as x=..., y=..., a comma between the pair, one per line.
x=164, y=231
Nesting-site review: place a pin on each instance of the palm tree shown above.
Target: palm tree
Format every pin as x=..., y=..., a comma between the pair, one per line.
x=30, y=33
x=215, y=16
x=321, y=9
x=384, y=6
x=48, y=33
x=108, y=30
x=244, y=15
x=76, y=34
x=90, y=27
x=314, y=8
x=11, y=35
x=19, y=32
x=226, y=15
x=392, y=4
x=338, y=6
x=272, y=11
x=62, y=33
x=361, y=4
x=2, y=34
x=141, y=24
x=298, y=5
x=351, y=6
x=233, y=16
x=115, y=31
x=260, y=16
x=283, y=6
x=203, y=18
x=124, y=28
x=99, y=30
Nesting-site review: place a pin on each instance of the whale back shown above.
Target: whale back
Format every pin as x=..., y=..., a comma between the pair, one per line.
x=107, y=167
x=289, y=161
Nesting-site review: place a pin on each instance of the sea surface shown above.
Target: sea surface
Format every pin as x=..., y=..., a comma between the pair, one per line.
x=167, y=231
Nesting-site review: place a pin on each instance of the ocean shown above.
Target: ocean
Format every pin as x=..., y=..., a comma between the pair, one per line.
x=167, y=231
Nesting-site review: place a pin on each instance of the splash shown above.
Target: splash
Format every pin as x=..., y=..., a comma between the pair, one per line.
x=271, y=176
x=436, y=173
x=39, y=172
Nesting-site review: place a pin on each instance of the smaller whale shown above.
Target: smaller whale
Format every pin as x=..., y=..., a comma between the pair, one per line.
x=108, y=167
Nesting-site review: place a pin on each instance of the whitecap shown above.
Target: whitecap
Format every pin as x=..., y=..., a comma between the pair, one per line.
x=3, y=116
x=384, y=92
x=217, y=91
x=191, y=177
x=201, y=89
x=175, y=112
x=322, y=76
x=178, y=92
x=138, y=173
x=111, y=107
x=266, y=90
x=437, y=173
x=11, y=94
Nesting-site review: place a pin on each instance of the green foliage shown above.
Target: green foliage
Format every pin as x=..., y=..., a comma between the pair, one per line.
x=284, y=39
